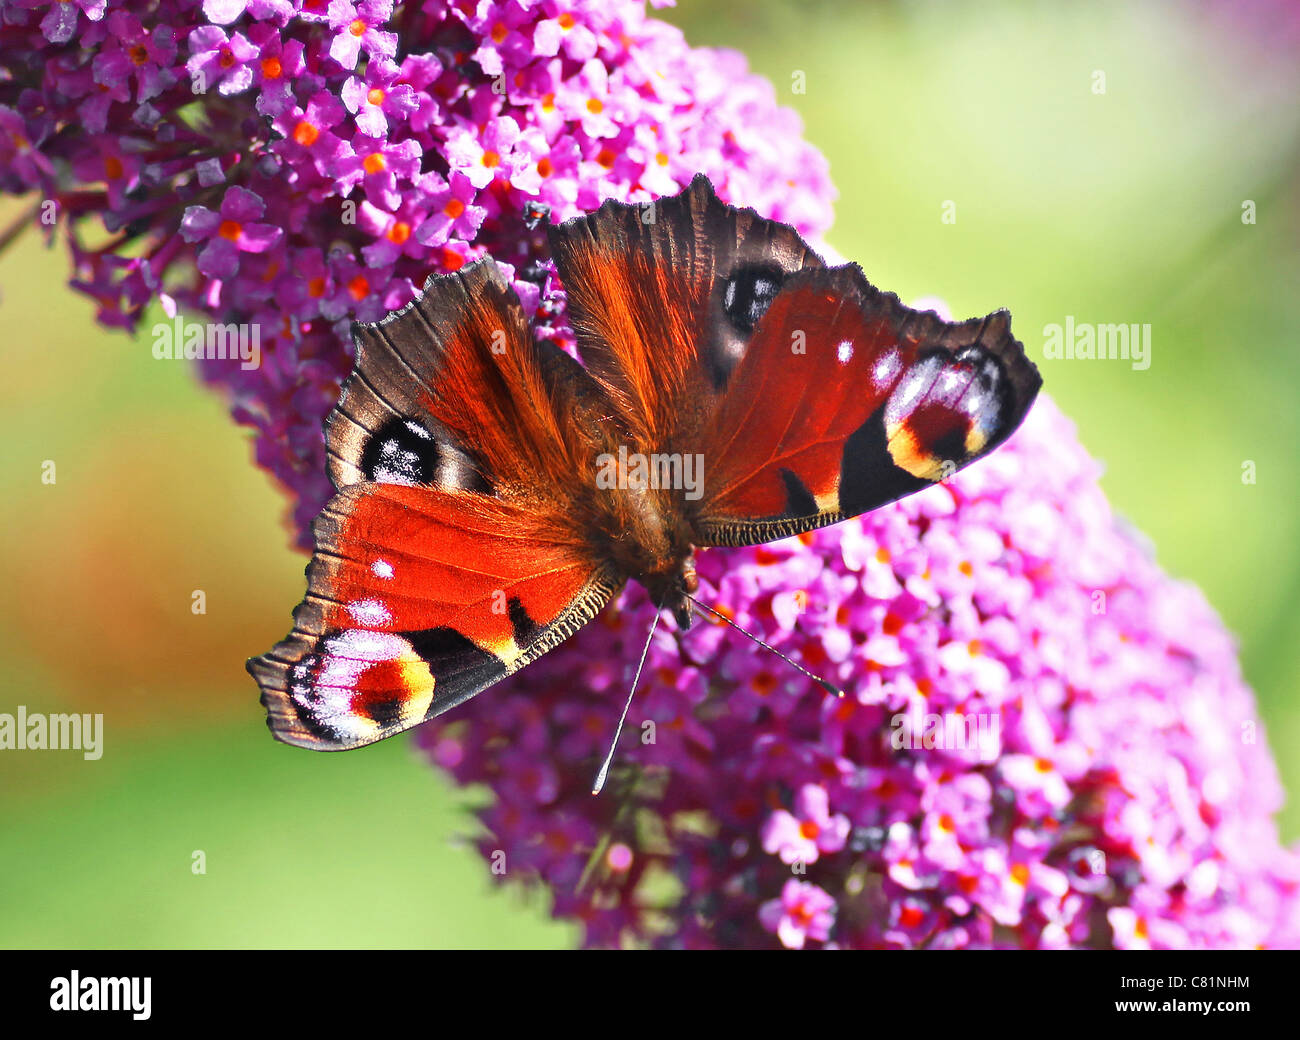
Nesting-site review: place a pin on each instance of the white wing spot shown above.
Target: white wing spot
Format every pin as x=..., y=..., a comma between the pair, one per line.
x=369, y=612
x=844, y=352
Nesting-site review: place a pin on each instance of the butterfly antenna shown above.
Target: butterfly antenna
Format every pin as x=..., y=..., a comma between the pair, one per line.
x=613, y=744
x=828, y=687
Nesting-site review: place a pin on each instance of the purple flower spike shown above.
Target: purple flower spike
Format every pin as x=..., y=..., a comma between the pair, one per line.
x=1012, y=766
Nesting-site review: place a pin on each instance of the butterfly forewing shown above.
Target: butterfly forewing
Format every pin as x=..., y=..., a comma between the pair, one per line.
x=663, y=297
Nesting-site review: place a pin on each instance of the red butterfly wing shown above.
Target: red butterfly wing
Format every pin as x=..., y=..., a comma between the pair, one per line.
x=810, y=395
x=460, y=362
x=846, y=400
x=450, y=557
x=663, y=298
x=418, y=599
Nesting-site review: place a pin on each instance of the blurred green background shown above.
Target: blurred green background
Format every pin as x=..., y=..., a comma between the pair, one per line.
x=1116, y=207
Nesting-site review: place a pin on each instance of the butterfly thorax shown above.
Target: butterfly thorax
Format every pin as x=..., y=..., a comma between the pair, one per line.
x=646, y=535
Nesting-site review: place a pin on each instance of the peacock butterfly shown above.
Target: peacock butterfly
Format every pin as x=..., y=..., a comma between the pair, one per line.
x=494, y=493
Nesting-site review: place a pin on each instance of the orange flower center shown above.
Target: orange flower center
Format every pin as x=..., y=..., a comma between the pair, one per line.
x=491, y=160
x=305, y=134
x=357, y=28
x=227, y=58
x=230, y=230
x=809, y=830
x=606, y=158
x=499, y=32
x=661, y=158
x=399, y=232
x=566, y=21
x=452, y=260
x=139, y=54
x=454, y=208
x=374, y=163
x=548, y=103
x=359, y=288
x=113, y=168
x=595, y=106
x=271, y=68
x=376, y=96
x=544, y=167
x=316, y=288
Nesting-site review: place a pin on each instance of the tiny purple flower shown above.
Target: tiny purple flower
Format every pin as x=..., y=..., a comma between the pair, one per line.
x=357, y=26
x=229, y=232
x=804, y=911
x=802, y=836
x=379, y=97
x=220, y=61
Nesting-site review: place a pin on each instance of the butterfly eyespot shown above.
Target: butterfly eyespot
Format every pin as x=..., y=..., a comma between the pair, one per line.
x=353, y=684
x=401, y=452
x=748, y=292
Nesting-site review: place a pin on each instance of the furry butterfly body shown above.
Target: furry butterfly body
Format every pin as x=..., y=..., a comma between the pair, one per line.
x=494, y=494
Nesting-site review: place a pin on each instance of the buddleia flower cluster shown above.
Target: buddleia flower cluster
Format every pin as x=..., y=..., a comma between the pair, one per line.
x=1045, y=741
